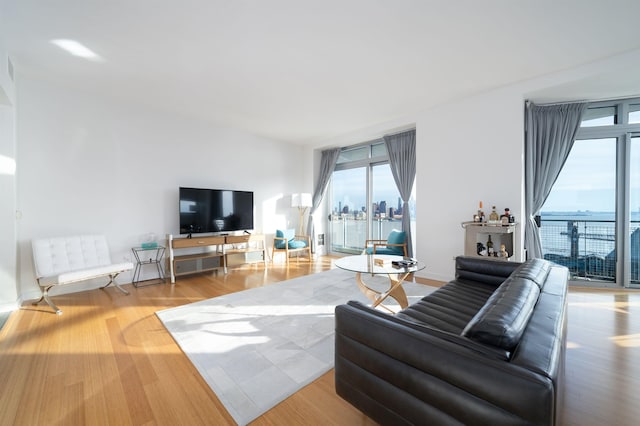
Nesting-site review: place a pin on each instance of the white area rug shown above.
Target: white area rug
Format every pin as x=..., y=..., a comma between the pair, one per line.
x=257, y=347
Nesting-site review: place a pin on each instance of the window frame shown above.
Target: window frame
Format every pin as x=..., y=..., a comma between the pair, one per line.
x=622, y=131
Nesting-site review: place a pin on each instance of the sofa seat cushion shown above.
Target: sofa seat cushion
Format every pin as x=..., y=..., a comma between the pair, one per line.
x=503, y=319
x=85, y=274
x=450, y=308
x=297, y=244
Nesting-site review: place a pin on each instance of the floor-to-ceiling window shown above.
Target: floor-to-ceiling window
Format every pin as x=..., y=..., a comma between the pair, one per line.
x=591, y=219
x=365, y=202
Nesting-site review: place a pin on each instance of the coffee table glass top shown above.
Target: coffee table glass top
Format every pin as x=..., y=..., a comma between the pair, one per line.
x=366, y=263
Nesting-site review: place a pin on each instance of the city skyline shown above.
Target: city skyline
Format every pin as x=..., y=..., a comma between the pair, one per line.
x=349, y=188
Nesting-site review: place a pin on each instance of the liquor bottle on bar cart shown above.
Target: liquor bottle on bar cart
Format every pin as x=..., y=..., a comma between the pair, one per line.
x=489, y=246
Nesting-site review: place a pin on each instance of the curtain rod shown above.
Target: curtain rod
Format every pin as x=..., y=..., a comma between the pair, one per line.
x=528, y=102
x=590, y=101
x=400, y=131
x=379, y=138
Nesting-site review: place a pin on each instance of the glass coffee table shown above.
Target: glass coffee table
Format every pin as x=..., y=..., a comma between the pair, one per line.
x=378, y=264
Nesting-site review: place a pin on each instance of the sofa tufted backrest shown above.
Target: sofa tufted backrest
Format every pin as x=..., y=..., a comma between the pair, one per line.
x=504, y=317
x=535, y=270
x=52, y=256
x=478, y=269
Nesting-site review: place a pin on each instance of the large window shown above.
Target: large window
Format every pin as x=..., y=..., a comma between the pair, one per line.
x=365, y=202
x=591, y=219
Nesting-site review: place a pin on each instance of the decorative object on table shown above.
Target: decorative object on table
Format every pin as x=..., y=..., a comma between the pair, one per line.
x=404, y=263
x=382, y=262
x=494, y=219
x=480, y=249
x=489, y=246
x=302, y=201
x=503, y=251
x=479, y=216
x=507, y=217
x=148, y=241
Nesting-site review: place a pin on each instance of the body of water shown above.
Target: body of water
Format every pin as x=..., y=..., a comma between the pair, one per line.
x=590, y=233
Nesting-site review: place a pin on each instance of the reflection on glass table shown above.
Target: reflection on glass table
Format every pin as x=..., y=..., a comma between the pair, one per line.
x=396, y=268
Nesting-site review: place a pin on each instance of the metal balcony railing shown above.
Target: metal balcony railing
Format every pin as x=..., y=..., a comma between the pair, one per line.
x=587, y=247
x=349, y=234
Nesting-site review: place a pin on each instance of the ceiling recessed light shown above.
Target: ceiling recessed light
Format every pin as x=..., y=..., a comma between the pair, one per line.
x=77, y=49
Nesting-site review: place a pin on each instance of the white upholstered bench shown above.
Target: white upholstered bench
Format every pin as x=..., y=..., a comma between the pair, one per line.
x=67, y=260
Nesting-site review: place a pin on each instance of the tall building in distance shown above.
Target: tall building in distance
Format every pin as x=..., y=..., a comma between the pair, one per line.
x=382, y=208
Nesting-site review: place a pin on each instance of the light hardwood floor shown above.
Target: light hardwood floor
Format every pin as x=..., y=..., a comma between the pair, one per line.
x=109, y=360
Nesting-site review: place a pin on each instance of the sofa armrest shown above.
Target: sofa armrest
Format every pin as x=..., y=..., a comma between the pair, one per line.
x=399, y=374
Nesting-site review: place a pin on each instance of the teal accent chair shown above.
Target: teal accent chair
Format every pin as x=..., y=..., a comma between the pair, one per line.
x=395, y=244
x=286, y=241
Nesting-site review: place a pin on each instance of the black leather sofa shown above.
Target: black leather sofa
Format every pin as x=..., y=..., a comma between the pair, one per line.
x=485, y=349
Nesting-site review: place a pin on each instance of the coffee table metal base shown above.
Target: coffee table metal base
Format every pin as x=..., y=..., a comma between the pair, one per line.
x=395, y=290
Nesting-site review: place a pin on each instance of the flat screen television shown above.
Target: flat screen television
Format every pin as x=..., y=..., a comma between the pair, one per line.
x=215, y=210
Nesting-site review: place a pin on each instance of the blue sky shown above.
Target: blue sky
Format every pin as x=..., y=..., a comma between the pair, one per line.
x=383, y=183
x=587, y=182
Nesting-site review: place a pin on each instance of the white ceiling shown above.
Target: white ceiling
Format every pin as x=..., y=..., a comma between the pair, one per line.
x=303, y=71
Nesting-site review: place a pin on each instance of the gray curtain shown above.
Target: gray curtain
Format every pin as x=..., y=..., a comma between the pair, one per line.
x=327, y=164
x=549, y=135
x=402, y=160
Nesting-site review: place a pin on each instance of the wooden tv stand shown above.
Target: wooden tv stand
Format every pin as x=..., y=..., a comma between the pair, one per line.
x=212, y=254
x=244, y=245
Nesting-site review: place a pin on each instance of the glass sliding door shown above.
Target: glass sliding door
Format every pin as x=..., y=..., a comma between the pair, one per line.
x=386, y=204
x=365, y=201
x=348, y=218
x=591, y=219
x=579, y=216
x=634, y=211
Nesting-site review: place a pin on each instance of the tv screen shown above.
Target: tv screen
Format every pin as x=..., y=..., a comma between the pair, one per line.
x=215, y=210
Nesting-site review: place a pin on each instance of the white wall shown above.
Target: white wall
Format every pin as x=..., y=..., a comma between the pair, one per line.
x=8, y=271
x=467, y=151
x=91, y=165
x=95, y=165
x=472, y=150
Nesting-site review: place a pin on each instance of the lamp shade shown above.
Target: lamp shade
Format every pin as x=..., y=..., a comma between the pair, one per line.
x=301, y=200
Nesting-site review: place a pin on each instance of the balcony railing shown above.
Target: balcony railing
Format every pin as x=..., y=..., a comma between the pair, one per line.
x=348, y=235
x=587, y=247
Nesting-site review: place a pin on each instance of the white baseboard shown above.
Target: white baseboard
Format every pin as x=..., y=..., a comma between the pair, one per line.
x=9, y=307
x=436, y=277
